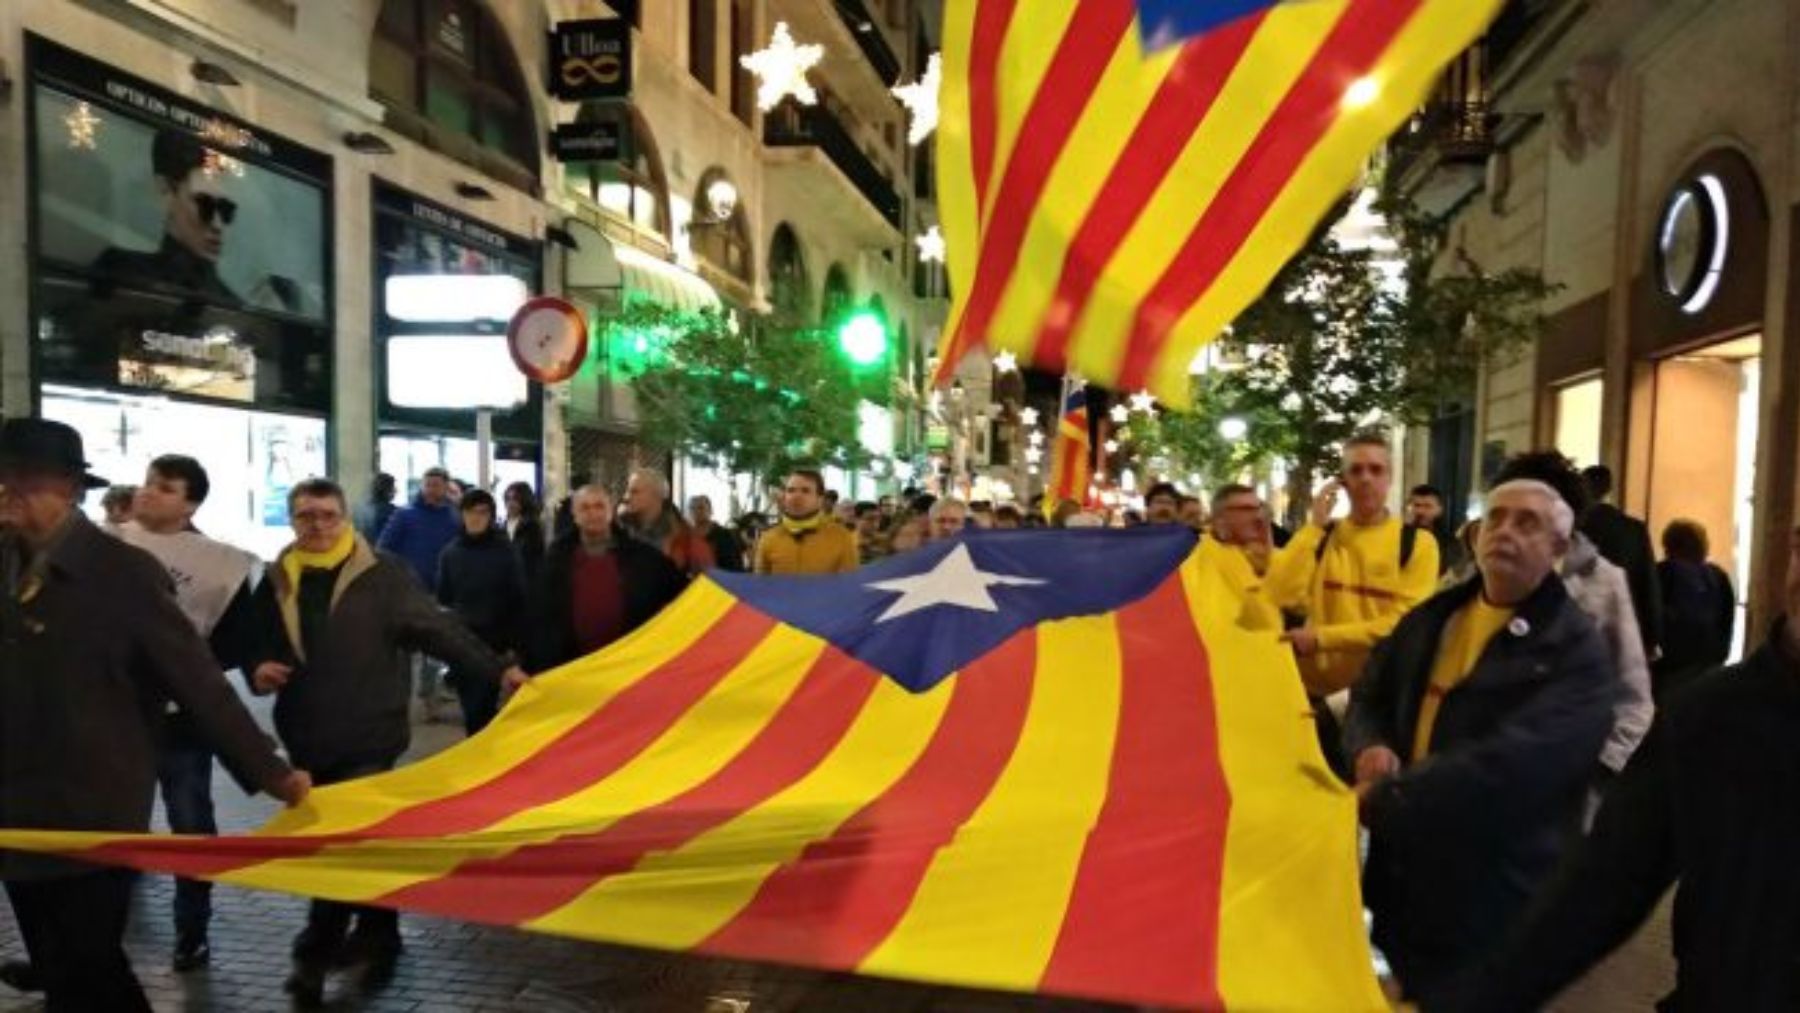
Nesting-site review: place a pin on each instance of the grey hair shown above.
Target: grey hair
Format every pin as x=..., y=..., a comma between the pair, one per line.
x=939, y=507
x=656, y=480
x=1562, y=516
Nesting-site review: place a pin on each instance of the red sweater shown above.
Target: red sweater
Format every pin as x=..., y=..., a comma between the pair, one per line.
x=599, y=600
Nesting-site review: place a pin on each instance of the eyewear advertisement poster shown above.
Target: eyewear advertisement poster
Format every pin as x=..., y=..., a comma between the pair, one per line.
x=177, y=249
x=447, y=287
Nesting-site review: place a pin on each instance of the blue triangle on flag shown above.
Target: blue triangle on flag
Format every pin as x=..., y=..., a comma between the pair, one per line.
x=1165, y=23
x=922, y=615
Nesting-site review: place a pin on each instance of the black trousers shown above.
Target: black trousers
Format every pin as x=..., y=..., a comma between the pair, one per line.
x=74, y=931
x=328, y=922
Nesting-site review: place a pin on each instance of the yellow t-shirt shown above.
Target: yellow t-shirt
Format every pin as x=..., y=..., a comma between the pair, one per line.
x=1466, y=635
x=1255, y=611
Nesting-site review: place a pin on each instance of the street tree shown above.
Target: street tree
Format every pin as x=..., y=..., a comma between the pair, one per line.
x=751, y=399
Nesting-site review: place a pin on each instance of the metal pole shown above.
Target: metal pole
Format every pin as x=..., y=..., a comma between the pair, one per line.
x=484, y=447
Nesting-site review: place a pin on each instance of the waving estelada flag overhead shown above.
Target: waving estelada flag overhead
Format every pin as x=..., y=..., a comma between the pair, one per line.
x=1119, y=179
x=1033, y=761
x=1072, y=455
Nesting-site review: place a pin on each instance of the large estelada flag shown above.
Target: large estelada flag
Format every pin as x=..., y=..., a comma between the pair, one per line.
x=1033, y=761
x=1119, y=179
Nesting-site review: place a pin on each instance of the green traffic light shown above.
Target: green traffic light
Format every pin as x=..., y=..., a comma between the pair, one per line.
x=864, y=339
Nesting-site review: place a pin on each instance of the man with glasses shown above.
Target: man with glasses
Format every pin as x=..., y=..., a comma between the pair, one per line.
x=337, y=620
x=1345, y=584
x=195, y=215
x=1238, y=546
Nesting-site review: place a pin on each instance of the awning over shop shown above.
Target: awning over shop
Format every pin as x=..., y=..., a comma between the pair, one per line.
x=599, y=264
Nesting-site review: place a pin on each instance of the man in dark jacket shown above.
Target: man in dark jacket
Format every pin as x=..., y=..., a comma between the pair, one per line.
x=1498, y=694
x=373, y=516
x=92, y=648
x=338, y=619
x=1624, y=541
x=727, y=550
x=1707, y=802
x=482, y=580
x=598, y=584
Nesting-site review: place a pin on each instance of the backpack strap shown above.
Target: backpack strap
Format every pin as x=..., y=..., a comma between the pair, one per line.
x=1409, y=540
x=1325, y=540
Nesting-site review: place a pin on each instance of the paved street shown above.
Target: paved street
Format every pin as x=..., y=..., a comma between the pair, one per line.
x=451, y=966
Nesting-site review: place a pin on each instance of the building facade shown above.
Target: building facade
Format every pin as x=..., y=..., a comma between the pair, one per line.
x=1641, y=156
x=285, y=237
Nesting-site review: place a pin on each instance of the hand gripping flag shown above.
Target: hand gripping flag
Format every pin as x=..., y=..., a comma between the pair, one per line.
x=1112, y=199
x=1033, y=761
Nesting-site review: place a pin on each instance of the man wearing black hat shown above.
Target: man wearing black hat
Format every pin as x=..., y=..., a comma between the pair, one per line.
x=92, y=648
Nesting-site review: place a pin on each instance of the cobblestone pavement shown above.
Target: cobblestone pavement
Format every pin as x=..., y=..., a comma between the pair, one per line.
x=450, y=966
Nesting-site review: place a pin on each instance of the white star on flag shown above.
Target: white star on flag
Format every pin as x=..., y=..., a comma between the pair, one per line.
x=955, y=580
x=781, y=69
x=921, y=100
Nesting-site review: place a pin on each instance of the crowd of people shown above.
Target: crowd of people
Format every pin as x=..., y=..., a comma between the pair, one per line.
x=1490, y=694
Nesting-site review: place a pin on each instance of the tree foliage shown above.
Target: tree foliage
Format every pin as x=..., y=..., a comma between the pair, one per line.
x=752, y=399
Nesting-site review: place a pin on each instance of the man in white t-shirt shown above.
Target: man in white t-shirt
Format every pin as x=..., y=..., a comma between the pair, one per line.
x=212, y=584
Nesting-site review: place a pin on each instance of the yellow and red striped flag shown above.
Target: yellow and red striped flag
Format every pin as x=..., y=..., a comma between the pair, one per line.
x=1109, y=207
x=1071, y=456
x=1023, y=760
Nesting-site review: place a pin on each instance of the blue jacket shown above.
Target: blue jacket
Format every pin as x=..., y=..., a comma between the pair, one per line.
x=418, y=535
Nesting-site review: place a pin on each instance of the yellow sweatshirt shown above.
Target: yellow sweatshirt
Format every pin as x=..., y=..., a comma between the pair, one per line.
x=1460, y=648
x=1352, y=596
x=1255, y=610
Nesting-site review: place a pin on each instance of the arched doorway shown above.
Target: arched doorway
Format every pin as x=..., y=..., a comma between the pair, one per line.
x=790, y=287
x=837, y=298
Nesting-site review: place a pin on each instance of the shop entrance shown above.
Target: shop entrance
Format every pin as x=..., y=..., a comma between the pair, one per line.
x=1703, y=452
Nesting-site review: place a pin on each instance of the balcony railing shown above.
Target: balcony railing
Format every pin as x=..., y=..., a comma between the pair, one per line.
x=869, y=39
x=796, y=126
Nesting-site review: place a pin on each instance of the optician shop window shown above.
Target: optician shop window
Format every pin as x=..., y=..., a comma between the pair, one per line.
x=178, y=270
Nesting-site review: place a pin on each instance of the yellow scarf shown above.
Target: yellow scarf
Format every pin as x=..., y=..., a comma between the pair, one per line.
x=297, y=559
x=801, y=527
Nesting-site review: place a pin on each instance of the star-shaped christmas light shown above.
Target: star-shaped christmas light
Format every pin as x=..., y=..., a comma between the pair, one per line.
x=1121, y=414
x=1112, y=446
x=1028, y=417
x=921, y=99
x=1006, y=362
x=781, y=69
x=955, y=580
x=82, y=124
x=1033, y=455
x=1143, y=401
x=931, y=246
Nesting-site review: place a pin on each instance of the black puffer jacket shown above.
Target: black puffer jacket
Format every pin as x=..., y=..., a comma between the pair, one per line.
x=1461, y=840
x=482, y=580
x=650, y=582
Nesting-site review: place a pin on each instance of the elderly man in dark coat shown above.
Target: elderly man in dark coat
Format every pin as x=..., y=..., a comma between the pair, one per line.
x=1473, y=734
x=92, y=649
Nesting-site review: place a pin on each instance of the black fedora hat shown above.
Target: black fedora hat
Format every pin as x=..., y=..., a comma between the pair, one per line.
x=44, y=445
